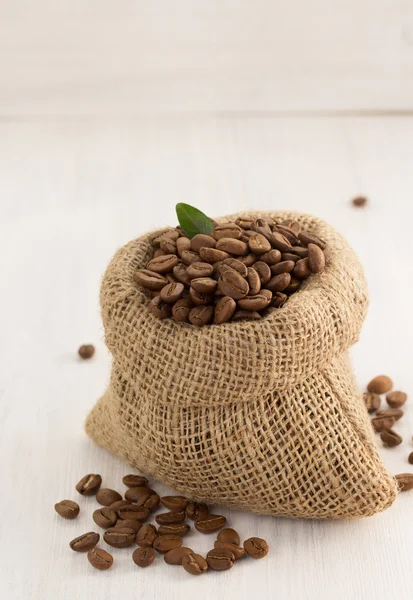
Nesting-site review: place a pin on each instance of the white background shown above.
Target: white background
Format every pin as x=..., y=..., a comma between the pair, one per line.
x=84, y=168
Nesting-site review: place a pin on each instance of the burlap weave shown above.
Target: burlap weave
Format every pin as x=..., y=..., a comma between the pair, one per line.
x=262, y=416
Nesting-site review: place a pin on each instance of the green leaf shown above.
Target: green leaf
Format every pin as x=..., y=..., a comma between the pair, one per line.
x=192, y=220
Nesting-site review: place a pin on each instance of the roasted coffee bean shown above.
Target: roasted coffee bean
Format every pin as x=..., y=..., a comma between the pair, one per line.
x=396, y=399
x=134, y=480
x=293, y=286
x=175, y=556
x=229, y=535
x=85, y=542
x=396, y=413
x=106, y=496
x=100, y=559
x=257, y=302
x=182, y=244
x=118, y=504
x=220, y=560
x=204, y=285
x=212, y=255
x=259, y=244
x=163, y=264
x=280, y=242
x=254, y=281
x=201, y=315
x=196, y=510
x=309, y=238
x=171, y=234
x=195, y=564
x=133, y=512
x=272, y=257
x=210, y=523
x=263, y=271
x=295, y=226
x=143, y=557
x=302, y=269
x=175, y=503
x=232, y=284
x=288, y=256
x=227, y=230
x=159, y=308
x=256, y=547
x=199, y=269
x=181, y=310
x=380, y=384
x=224, y=309
x=129, y=524
x=67, y=509
x=286, y=266
x=86, y=351
x=286, y=231
x=180, y=273
x=150, y=280
x=390, y=438
x=372, y=402
x=279, y=283
x=164, y=543
x=105, y=517
x=410, y=458
x=299, y=251
x=172, y=292
x=248, y=260
x=405, y=481
x=316, y=259
x=278, y=299
x=236, y=550
x=120, y=537
x=89, y=484
x=180, y=529
x=244, y=223
x=146, y=535
x=143, y=496
x=382, y=423
x=237, y=265
x=168, y=247
x=359, y=201
x=188, y=257
x=202, y=241
x=246, y=315
x=171, y=517
x=233, y=246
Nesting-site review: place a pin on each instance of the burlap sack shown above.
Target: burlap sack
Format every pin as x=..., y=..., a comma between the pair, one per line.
x=262, y=416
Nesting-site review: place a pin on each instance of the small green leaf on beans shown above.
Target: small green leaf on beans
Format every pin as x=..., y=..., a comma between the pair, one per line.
x=192, y=220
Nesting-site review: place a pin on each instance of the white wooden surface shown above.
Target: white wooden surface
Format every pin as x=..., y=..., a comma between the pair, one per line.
x=134, y=56
x=71, y=192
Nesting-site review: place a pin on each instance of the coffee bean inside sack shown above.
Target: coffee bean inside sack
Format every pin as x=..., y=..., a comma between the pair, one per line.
x=231, y=271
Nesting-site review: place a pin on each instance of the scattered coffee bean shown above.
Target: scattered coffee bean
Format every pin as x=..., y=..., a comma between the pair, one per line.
x=67, y=509
x=405, y=481
x=146, y=536
x=85, y=542
x=120, y=537
x=229, y=535
x=180, y=529
x=105, y=517
x=169, y=518
x=256, y=547
x=196, y=510
x=195, y=564
x=396, y=413
x=410, y=459
x=175, y=503
x=372, y=401
x=118, y=504
x=139, y=494
x=135, y=480
x=359, y=201
x=100, y=559
x=106, y=496
x=175, y=556
x=129, y=524
x=164, y=543
x=380, y=384
x=236, y=550
x=390, y=438
x=220, y=560
x=133, y=512
x=396, y=399
x=383, y=423
x=210, y=523
x=89, y=484
x=143, y=557
x=86, y=351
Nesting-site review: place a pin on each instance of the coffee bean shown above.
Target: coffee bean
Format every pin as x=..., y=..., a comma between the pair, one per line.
x=199, y=269
x=133, y=512
x=164, y=543
x=278, y=299
x=316, y=259
x=246, y=315
x=380, y=384
x=254, y=281
x=288, y=256
x=212, y=255
x=227, y=230
x=237, y=265
x=405, y=481
x=248, y=260
x=372, y=402
x=106, y=496
x=129, y=524
x=299, y=251
x=257, y=302
x=170, y=517
x=171, y=234
x=210, y=523
x=396, y=399
x=220, y=560
x=143, y=557
x=396, y=413
x=280, y=242
x=181, y=310
x=224, y=309
x=180, y=273
x=85, y=542
x=195, y=564
x=172, y=292
x=115, y=505
x=168, y=246
x=204, y=285
x=202, y=241
x=188, y=257
x=410, y=458
x=175, y=503
x=180, y=529
x=232, y=284
x=120, y=537
x=259, y=244
x=382, y=423
x=201, y=315
x=100, y=559
x=309, y=238
x=159, y=308
x=229, y=535
x=86, y=351
x=390, y=438
x=256, y=547
x=286, y=266
x=200, y=298
x=302, y=269
x=175, y=556
x=293, y=286
x=105, y=517
x=263, y=271
x=279, y=283
x=182, y=244
x=233, y=246
x=146, y=535
x=359, y=201
x=244, y=223
x=163, y=264
x=143, y=496
x=89, y=484
x=236, y=550
x=196, y=510
x=272, y=257
x=135, y=480
x=67, y=509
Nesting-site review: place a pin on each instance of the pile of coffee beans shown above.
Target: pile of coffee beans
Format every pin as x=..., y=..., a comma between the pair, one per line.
x=241, y=271
x=383, y=420
x=124, y=522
